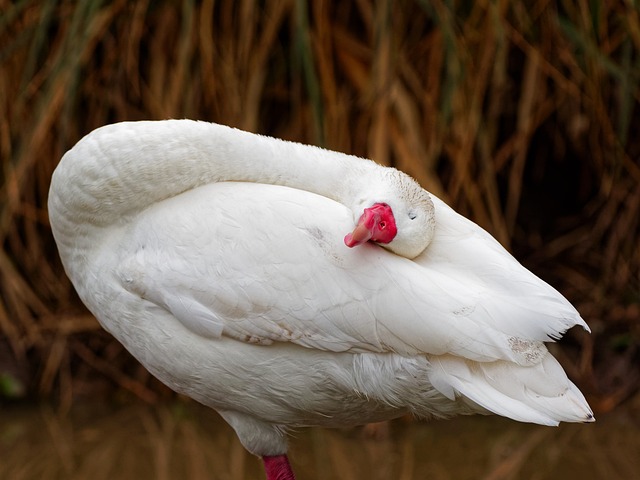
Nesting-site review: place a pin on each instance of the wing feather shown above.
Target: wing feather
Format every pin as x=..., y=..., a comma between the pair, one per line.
x=262, y=263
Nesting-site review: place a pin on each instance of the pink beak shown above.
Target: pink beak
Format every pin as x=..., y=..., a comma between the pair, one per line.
x=359, y=235
x=376, y=223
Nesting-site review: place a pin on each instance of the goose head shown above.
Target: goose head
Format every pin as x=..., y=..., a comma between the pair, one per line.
x=398, y=215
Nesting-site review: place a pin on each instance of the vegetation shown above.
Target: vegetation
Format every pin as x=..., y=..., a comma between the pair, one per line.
x=522, y=115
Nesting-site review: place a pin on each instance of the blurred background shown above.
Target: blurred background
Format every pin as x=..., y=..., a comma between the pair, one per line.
x=522, y=115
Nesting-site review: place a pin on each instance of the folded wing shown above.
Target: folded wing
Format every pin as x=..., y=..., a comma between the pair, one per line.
x=265, y=264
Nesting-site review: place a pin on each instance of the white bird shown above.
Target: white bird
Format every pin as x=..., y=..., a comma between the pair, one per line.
x=218, y=258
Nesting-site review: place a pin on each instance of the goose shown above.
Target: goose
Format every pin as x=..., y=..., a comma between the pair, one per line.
x=285, y=285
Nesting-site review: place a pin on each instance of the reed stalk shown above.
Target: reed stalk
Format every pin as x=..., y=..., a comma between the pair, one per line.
x=521, y=115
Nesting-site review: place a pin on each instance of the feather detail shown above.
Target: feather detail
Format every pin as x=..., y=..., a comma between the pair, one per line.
x=216, y=257
x=541, y=393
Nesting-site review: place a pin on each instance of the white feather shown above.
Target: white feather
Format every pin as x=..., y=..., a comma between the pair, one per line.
x=216, y=257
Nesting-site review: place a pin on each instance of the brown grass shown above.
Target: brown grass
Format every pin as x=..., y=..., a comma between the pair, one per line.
x=520, y=114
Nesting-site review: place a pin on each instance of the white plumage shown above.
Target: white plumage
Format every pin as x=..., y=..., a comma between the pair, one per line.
x=217, y=258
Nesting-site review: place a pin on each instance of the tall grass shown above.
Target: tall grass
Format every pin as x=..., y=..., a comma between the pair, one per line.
x=522, y=115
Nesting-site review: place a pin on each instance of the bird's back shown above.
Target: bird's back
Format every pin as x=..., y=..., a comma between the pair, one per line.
x=231, y=289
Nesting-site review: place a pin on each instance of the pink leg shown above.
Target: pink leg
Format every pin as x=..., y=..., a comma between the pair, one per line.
x=278, y=468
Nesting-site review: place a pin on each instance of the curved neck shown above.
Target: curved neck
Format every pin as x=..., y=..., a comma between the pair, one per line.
x=120, y=169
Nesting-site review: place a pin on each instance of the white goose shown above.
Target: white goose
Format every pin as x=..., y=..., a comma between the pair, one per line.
x=218, y=258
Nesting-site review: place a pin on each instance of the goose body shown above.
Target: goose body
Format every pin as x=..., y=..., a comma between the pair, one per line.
x=217, y=258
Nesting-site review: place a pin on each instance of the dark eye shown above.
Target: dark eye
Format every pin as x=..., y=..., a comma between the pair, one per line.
x=412, y=215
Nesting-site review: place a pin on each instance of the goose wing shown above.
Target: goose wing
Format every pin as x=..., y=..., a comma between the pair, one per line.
x=266, y=264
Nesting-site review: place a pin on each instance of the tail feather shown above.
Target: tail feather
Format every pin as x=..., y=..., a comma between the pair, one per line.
x=537, y=394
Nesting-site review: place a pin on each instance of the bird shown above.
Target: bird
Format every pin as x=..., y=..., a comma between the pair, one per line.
x=285, y=285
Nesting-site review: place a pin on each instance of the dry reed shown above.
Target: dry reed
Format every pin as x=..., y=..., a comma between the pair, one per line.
x=520, y=114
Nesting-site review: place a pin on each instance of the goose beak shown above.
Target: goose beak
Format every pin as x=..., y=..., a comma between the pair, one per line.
x=360, y=235
x=376, y=224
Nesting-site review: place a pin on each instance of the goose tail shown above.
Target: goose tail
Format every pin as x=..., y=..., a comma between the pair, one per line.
x=540, y=394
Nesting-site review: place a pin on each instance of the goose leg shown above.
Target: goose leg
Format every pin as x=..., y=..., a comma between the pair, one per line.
x=277, y=467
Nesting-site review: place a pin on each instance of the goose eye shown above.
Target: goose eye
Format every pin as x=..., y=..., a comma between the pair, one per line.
x=412, y=215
